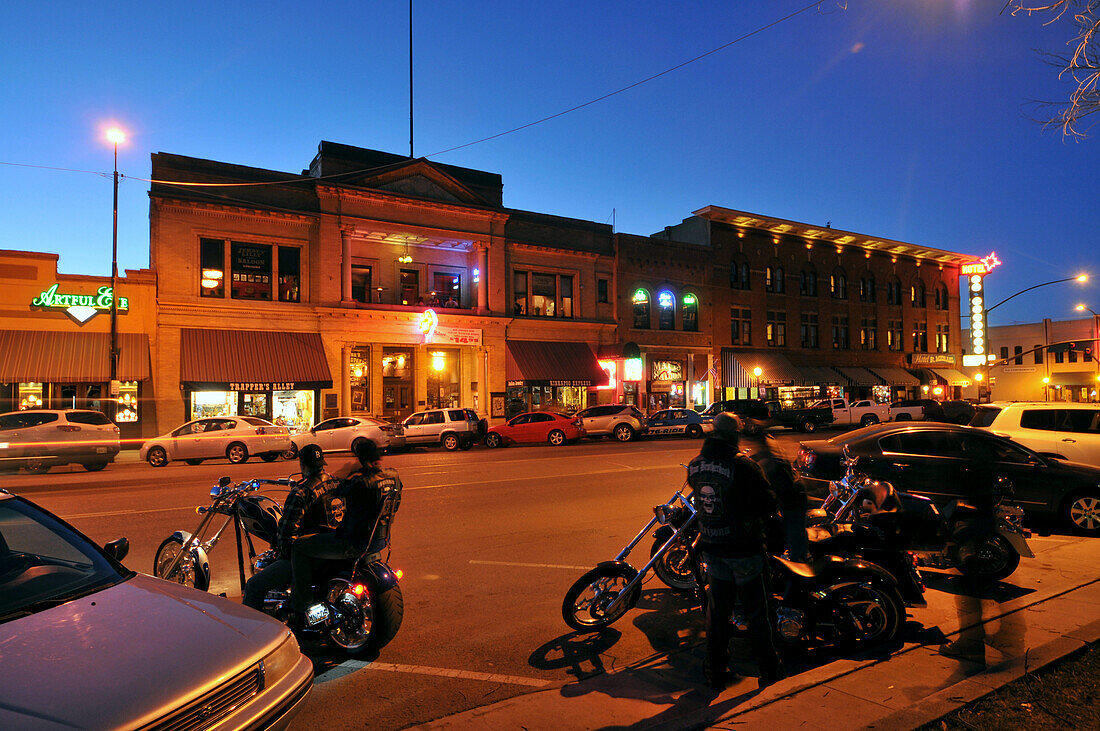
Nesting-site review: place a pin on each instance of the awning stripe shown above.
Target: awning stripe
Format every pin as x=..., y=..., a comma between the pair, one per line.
x=819, y=376
x=952, y=376
x=71, y=357
x=859, y=376
x=775, y=370
x=546, y=362
x=895, y=376
x=253, y=356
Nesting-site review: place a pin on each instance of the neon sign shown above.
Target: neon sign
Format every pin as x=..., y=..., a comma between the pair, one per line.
x=664, y=298
x=640, y=296
x=80, y=307
x=429, y=321
x=982, y=266
x=610, y=368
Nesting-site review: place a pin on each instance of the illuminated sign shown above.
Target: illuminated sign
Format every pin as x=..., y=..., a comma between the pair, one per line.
x=632, y=369
x=689, y=299
x=640, y=296
x=610, y=368
x=976, y=287
x=982, y=266
x=664, y=298
x=667, y=370
x=429, y=321
x=80, y=307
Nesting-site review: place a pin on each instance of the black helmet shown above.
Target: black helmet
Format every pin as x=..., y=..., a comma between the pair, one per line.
x=727, y=426
x=311, y=458
x=367, y=452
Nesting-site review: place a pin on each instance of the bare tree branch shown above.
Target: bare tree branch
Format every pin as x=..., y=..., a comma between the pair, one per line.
x=1074, y=116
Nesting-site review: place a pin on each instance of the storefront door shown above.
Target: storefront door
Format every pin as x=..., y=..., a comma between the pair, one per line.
x=398, y=388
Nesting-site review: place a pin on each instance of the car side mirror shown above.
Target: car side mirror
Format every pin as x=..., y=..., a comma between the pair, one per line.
x=224, y=480
x=313, y=431
x=117, y=549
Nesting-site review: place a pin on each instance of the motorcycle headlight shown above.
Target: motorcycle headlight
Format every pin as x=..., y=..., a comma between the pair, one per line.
x=282, y=660
x=663, y=514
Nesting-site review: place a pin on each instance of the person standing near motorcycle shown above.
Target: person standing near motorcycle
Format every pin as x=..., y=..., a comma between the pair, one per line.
x=733, y=498
x=790, y=492
x=306, y=511
x=372, y=495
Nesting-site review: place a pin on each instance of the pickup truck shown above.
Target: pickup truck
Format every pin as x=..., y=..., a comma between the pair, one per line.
x=803, y=418
x=861, y=413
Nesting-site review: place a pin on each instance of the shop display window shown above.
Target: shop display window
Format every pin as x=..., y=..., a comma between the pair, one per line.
x=290, y=273
x=30, y=396
x=206, y=404
x=254, y=404
x=127, y=412
x=293, y=409
x=397, y=364
x=359, y=378
x=251, y=266
x=443, y=384
x=212, y=263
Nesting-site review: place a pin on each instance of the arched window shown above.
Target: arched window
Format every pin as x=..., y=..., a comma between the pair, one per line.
x=641, y=309
x=917, y=294
x=893, y=291
x=867, y=288
x=739, y=273
x=838, y=284
x=773, y=278
x=690, y=312
x=807, y=281
x=666, y=310
x=941, y=296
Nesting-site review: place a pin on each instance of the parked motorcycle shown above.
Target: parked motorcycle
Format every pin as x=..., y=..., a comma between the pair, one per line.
x=838, y=601
x=913, y=523
x=362, y=604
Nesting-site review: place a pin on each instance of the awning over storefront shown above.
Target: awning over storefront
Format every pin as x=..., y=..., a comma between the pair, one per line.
x=71, y=357
x=738, y=368
x=857, y=376
x=819, y=376
x=542, y=363
x=252, y=360
x=952, y=376
x=1074, y=378
x=896, y=376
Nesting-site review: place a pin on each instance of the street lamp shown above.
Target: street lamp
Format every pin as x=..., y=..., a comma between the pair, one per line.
x=1080, y=279
x=756, y=373
x=116, y=137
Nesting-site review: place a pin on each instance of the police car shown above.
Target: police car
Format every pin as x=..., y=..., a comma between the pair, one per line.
x=680, y=422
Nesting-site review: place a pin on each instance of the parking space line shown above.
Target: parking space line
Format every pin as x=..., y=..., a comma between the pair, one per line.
x=350, y=666
x=530, y=565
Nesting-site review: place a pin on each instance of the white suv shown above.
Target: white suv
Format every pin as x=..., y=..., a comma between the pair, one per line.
x=1067, y=430
x=451, y=428
x=37, y=439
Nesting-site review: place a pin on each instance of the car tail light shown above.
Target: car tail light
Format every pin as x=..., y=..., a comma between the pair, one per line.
x=386, y=427
x=261, y=430
x=116, y=430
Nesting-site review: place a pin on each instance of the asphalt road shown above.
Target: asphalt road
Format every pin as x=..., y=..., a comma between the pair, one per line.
x=489, y=542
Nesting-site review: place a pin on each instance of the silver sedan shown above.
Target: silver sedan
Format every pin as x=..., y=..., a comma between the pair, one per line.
x=235, y=438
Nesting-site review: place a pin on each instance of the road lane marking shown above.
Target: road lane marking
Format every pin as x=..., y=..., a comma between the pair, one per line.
x=543, y=477
x=530, y=565
x=350, y=666
x=189, y=508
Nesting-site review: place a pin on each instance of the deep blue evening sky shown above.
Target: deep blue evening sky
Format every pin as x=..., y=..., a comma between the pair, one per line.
x=896, y=118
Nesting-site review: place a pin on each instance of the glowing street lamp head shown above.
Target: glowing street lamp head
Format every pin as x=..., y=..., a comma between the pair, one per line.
x=756, y=371
x=1080, y=308
x=116, y=136
x=1082, y=278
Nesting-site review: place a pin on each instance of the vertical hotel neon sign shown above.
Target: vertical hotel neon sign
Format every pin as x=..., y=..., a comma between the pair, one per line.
x=975, y=279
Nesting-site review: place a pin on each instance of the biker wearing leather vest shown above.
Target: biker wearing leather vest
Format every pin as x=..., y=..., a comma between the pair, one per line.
x=307, y=510
x=733, y=499
x=371, y=495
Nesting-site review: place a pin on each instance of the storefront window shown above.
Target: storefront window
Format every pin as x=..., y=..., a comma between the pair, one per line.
x=212, y=263
x=443, y=390
x=293, y=409
x=359, y=378
x=254, y=404
x=205, y=404
x=251, y=271
x=127, y=403
x=290, y=280
x=30, y=396
x=397, y=364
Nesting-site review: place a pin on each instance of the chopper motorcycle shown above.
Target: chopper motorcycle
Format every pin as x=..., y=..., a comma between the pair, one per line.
x=839, y=601
x=362, y=605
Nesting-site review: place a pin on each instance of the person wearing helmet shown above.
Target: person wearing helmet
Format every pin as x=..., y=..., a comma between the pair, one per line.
x=733, y=499
x=371, y=495
x=307, y=510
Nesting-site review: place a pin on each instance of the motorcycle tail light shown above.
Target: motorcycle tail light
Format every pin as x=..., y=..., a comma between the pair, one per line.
x=358, y=589
x=399, y=573
x=912, y=558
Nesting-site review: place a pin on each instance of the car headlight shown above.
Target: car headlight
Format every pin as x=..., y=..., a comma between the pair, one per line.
x=282, y=660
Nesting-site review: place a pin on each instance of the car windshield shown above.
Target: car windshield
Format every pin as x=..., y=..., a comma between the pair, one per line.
x=44, y=563
x=984, y=415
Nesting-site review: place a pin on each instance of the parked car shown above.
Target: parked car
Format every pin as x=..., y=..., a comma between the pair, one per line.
x=864, y=412
x=450, y=428
x=921, y=409
x=945, y=461
x=800, y=416
x=37, y=439
x=680, y=421
x=89, y=643
x=621, y=421
x=1069, y=431
x=535, y=427
x=234, y=437
x=958, y=411
x=755, y=413
x=344, y=433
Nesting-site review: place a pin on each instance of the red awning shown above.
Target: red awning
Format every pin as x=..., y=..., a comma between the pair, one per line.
x=70, y=357
x=253, y=360
x=540, y=363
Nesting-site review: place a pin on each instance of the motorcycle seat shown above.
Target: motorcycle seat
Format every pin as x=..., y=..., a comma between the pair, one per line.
x=804, y=570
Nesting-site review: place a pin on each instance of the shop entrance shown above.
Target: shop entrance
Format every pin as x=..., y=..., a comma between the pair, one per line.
x=397, y=383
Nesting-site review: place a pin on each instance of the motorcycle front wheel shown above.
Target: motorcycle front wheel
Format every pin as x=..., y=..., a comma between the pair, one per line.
x=867, y=614
x=674, y=566
x=586, y=602
x=993, y=559
x=368, y=620
x=185, y=571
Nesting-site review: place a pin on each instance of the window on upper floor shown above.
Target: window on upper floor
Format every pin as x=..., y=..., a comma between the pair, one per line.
x=740, y=326
x=894, y=333
x=739, y=273
x=690, y=312
x=773, y=279
x=917, y=294
x=253, y=270
x=602, y=291
x=640, y=300
x=920, y=337
x=290, y=274
x=807, y=282
x=541, y=294
x=943, y=338
x=212, y=263
x=446, y=289
x=1038, y=354
x=776, y=329
x=868, y=333
x=893, y=291
x=867, y=288
x=840, y=332
x=666, y=310
x=362, y=283
x=838, y=285
x=809, y=330
x=941, y=297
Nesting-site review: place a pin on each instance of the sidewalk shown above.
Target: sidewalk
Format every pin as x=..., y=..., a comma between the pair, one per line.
x=913, y=686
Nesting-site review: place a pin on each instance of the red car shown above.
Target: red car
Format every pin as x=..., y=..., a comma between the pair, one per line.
x=533, y=427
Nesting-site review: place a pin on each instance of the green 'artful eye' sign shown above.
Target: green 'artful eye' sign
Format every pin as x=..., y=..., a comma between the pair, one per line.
x=81, y=307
